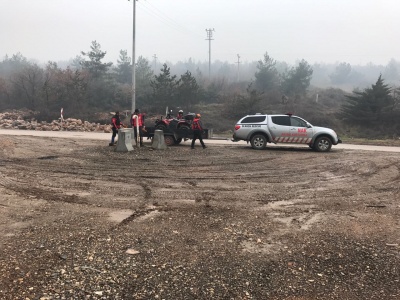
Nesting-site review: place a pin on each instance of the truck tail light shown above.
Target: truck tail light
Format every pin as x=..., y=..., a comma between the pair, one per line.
x=237, y=127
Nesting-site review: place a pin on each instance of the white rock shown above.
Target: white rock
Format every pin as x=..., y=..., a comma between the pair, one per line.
x=132, y=251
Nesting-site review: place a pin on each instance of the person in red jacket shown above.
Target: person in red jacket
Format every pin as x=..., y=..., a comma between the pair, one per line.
x=180, y=115
x=116, y=124
x=197, y=128
x=139, y=120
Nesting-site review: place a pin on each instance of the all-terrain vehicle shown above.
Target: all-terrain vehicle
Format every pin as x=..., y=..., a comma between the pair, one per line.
x=170, y=122
x=175, y=130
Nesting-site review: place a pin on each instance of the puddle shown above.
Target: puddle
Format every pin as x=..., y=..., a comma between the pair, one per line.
x=19, y=225
x=303, y=222
x=48, y=157
x=330, y=176
x=253, y=247
x=80, y=194
x=185, y=201
x=120, y=215
x=279, y=204
x=287, y=221
x=149, y=215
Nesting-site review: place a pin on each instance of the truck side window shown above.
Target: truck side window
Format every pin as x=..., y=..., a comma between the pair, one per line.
x=254, y=119
x=297, y=122
x=281, y=120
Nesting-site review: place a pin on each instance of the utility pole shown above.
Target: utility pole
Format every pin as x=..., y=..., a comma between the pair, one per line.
x=155, y=62
x=133, y=58
x=209, y=38
x=238, y=63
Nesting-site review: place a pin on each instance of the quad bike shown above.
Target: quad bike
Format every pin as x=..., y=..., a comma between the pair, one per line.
x=170, y=123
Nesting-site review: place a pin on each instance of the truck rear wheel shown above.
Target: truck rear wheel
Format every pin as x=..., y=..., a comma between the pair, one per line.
x=258, y=142
x=169, y=140
x=322, y=144
x=184, y=127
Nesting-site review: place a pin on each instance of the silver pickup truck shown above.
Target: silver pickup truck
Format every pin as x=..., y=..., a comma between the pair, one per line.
x=260, y=129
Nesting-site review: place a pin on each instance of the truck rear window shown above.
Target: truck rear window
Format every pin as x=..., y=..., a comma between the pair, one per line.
x=254, y=119
x=281, y=120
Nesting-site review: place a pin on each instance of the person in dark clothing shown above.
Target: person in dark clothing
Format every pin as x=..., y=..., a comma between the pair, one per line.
x=197, y=128
x=139, y=120
x=116, y=124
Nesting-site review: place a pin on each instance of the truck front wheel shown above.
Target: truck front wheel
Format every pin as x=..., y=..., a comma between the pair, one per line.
x=258, y=142
x=322, y=144
x=184, y=127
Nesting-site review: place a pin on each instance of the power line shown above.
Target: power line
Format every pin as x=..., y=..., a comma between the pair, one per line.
x=153, y=11
x=160, y=13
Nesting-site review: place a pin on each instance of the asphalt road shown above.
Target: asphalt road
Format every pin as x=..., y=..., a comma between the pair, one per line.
x=107, y=136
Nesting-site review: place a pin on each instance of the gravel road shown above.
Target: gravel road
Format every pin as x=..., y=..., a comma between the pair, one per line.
x=219, y=141
x=81, y=221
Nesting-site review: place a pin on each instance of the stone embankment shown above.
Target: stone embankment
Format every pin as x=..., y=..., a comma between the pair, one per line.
x=25, y=120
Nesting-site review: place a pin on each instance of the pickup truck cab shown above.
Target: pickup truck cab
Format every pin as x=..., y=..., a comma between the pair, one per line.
x=260, y=129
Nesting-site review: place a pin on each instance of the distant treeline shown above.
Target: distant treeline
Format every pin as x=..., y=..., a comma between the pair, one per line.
x=346, y=97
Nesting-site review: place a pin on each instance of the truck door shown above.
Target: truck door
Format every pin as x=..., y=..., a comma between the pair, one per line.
x=279, y=128
x=299, y=131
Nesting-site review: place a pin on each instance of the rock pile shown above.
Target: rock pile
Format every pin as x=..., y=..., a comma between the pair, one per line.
x=26, y=121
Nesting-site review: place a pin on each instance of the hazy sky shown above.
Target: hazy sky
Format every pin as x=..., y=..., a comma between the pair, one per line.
x=353, y=31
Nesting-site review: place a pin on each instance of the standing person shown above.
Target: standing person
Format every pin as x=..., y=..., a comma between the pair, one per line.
x=116, y=124
x=180, y=115
x=197, y=128
x=140, y=121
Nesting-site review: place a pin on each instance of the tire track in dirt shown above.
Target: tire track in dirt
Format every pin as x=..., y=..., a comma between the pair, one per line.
x=33, y=190
x=137, y=214
x=143, y=208
x=6, y=182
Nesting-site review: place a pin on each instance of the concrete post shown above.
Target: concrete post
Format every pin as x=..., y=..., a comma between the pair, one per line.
x=124, y=143
x=158, y=140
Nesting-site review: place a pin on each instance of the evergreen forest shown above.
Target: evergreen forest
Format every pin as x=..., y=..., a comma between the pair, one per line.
x=356, y=101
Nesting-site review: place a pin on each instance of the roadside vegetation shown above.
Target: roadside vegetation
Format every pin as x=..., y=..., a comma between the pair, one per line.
x=356, y=102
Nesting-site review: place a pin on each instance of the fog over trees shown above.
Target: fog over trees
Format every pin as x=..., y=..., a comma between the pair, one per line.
x=347, y=97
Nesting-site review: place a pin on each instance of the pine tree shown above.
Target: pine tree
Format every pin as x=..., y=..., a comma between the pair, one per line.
x=267, y=76
x=188, y=91
x=297, y=80
x=143, y=76
x=124, y=68
x=164, y=87
x=94, y=65
x=369, y=107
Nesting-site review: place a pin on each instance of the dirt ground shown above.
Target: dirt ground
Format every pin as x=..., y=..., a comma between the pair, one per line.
x=80, y=221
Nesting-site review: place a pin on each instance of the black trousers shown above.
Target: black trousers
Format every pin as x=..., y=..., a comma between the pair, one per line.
x=197, y=135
